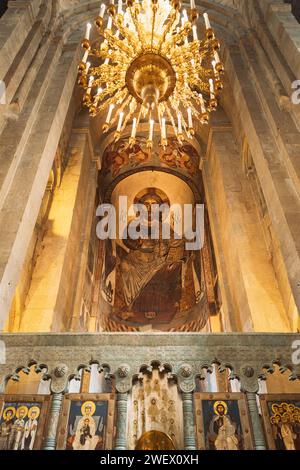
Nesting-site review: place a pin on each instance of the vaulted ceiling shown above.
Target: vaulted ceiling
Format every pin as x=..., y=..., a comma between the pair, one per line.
x=67, y=4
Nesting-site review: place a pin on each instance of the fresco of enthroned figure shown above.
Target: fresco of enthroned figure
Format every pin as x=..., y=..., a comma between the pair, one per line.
x=154, y=282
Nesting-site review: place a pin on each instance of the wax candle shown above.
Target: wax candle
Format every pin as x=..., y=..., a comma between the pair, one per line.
x=163, y=129
x=121, y=115
x=120, y=3
x=207, y=22
x=151, y=129
x=190, y=118
x=102, y=10
x=133, y=132
x=195, y=35
x=85, y=57
x=179, y=123
x=109, y=23
x=211, y=86
x=109, y=114
x=217, y=57
x=88, y=31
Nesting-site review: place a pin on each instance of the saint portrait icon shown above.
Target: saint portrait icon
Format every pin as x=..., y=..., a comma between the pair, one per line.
x=21, y=425
x=224, y=431
x=281, y=417
x=87, y=422
x=222, y=422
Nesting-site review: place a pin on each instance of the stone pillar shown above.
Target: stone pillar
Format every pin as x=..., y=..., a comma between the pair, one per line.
x=188, y=421
x=272, y=153
x=121, y=437
x=58, y=386
x=75, y=251
x=249, y=385
x=35, y=161
x=239, y=241
x=50, y=441
x=258, y=435
x=186, y=384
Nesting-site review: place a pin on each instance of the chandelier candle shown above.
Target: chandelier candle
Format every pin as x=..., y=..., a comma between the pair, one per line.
x=151, y=67
x=133, y=132
x=207, y=22
x=179, y=125
x=195, y=35
x=151, y=132
x=88, y=31
x=109, y=114
x=102, y=10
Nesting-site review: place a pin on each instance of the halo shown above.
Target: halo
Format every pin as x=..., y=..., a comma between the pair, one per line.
x=9, y=408
x=35, y=409
x=273, y=407
x=217, y=403
x=23, y=407
x=88, y=403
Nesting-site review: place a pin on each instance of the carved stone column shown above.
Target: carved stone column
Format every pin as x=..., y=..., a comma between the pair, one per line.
x=259, y=439
x=187, y=384
x=249, y=385
x=188, y=422
x=121, y=437
x=58, y=386
x=123, y=385
x=50, y=441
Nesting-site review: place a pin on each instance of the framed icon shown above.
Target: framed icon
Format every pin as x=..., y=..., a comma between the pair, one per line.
x=87, y=422
x=222, y=422
x=281, y=419
x=23, y=421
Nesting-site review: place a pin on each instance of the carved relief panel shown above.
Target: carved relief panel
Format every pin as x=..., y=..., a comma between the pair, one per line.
x=155, y=405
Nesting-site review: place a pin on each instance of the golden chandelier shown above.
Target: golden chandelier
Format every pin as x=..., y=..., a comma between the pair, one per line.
x=149, y=65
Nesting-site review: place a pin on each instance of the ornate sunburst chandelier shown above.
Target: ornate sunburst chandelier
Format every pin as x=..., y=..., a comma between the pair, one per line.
x=150, y=66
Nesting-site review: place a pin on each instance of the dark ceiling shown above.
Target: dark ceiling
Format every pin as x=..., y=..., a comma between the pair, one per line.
x=3, y=6
x=295, y=7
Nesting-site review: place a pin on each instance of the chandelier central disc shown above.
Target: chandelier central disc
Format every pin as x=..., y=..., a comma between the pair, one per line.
x=150, y=78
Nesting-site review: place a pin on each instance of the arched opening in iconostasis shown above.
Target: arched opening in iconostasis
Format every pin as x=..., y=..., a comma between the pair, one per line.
x=155, y=406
